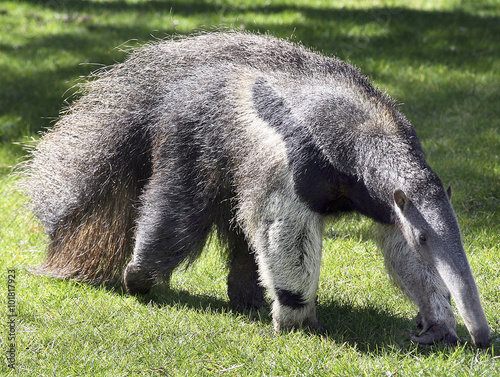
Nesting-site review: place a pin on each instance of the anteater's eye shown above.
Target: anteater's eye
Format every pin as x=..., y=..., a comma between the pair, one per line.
x=422, y=239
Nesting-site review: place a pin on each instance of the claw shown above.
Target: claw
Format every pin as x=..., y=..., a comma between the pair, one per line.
x=419, y=321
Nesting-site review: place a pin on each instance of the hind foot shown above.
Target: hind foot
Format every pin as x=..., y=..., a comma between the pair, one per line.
x=138, y=281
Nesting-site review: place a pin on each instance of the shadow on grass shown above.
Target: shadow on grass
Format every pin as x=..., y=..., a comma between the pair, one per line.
x=368, y=329
x=364, y=328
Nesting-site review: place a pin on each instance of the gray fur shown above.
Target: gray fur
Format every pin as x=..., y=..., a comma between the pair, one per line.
x=262, y=139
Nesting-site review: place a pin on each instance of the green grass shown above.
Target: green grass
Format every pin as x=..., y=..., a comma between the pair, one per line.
x=441, y=59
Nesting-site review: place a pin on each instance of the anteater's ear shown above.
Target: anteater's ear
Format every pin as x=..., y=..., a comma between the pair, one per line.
x=401, y=200
x=448, y=192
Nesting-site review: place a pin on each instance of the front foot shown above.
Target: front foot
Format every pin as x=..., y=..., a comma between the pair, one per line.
x=436, y=334
x=286, y=318
x=431, y=334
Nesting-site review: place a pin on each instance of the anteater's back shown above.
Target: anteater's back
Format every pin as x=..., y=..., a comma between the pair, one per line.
x=87, y=173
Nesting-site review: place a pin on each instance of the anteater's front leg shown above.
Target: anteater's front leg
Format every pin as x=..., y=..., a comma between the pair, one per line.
x=287, y=241
x=422, y=284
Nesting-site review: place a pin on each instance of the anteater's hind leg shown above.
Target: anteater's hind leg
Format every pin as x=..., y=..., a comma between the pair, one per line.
x=243, y=286
x=173, y=225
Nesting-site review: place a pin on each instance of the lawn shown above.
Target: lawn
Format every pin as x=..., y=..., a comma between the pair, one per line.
x=440, y=59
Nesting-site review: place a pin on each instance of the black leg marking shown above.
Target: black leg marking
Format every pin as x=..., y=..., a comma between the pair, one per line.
x=290, y=299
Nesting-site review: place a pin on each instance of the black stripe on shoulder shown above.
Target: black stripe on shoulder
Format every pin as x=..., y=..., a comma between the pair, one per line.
x=317, y=182
x=324, y=188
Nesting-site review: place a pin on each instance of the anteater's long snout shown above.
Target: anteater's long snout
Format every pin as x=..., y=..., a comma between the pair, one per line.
x=457, y=275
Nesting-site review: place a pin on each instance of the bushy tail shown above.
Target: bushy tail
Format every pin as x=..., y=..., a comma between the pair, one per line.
x=93, y=243
x=84, y=180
